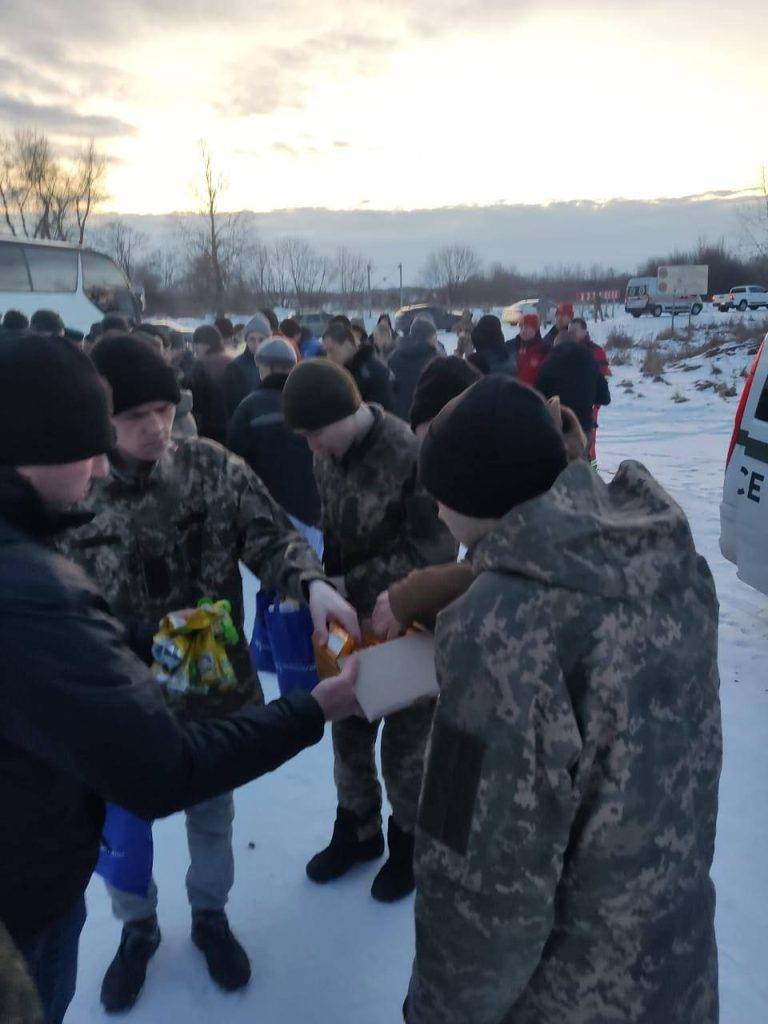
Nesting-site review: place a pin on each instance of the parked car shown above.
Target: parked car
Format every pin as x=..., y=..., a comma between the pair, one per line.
x=442, y=319
x=643, y=296
x=743, y=523
x=544, y=308
x=315, y=322
x=742, y=297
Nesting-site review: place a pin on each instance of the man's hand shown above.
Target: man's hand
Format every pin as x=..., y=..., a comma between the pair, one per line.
x=327, y=606
x=336, y=696
x=383, y=621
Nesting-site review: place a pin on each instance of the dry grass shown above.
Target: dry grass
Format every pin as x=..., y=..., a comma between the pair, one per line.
x=653, y=363
x=620, y=358
x=619, y=341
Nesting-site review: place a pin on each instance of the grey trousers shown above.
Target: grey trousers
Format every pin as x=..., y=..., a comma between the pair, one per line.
x=211, y=871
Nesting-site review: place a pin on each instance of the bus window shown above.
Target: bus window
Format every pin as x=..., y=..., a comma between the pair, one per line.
x=14, y=276
x=52, y=270
x=106, y=285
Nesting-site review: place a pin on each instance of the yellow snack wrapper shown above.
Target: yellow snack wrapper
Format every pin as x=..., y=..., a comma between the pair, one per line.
x=190, y=655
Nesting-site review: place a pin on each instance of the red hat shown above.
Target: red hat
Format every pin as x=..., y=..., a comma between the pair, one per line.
x=532, y=320
x=565, y=309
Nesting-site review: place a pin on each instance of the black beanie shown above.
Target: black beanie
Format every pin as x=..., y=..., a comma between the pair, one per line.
x=209, y=336
x=440, y=381
x=318, y=393
x=487, y=334
x=136, y=372
x=54, y=407
x=492, y=448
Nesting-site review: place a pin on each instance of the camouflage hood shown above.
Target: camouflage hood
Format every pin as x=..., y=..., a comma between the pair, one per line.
x=587, y=536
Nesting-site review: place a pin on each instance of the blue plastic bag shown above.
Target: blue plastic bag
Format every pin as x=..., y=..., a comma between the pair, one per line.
x=262, y=658
x=290, y=629
x=125, y=859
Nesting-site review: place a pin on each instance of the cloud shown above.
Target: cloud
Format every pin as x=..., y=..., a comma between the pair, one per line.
x=61, y=120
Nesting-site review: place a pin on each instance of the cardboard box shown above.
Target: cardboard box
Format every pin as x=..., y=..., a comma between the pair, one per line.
x=396, y=674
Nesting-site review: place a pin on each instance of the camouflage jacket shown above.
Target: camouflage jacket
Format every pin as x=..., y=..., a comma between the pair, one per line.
x=378, y=522
x=163, y=540
x=567, y=820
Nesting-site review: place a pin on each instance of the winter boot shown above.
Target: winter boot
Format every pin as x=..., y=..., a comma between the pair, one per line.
x=125, y=976
x=227, y=961
x=395, y=880
x=345, y=849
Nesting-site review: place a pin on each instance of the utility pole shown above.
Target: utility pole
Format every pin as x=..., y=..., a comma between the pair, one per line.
x=400, y=268
x=370, y=293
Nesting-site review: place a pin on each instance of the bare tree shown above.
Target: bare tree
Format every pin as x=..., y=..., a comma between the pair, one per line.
x=43, y=196
x=89, y=192
x=279, y=272
x=260, y=277
x=307, y=270
x=755, y=217
x=450, y=268
x=218, y=242
x=122, y=242
x=350, y=276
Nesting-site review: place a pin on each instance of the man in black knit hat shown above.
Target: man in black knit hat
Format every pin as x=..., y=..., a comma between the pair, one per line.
x=378, y=524
x=82, y=721
x=567, y=820
x=169, y=526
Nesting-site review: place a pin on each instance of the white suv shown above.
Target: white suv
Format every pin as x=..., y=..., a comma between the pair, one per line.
x=742, y=297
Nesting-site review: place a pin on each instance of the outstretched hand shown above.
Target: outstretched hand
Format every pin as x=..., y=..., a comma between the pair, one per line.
x=326, y=606
x=336, y=696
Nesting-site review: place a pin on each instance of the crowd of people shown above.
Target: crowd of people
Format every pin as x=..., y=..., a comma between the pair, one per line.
x=554, y=808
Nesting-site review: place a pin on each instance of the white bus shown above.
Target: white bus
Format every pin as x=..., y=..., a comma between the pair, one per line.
x=80, y=284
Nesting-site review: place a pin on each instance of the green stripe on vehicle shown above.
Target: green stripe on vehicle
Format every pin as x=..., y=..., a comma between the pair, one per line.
x=753, y=448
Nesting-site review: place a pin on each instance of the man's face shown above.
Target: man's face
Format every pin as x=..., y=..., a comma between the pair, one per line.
x=144, y=432
x=562, y=320
x=61, y=487
x=339, y=354
x=335, y=439
x=578, y=331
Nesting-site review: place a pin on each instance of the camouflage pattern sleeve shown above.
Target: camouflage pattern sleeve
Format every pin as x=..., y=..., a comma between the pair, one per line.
x=268, y=543
x=496, y=810
x=421, y=540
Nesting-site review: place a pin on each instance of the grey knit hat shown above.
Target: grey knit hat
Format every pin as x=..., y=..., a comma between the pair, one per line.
x=276, y=353
x=258, y=324
x=422, y=329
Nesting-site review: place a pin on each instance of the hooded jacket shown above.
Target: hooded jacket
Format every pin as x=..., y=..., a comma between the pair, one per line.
x=530, y=357
x=407, y=364
x=571, y=372
x=567, y=820
x=83, y=721
x=371, y=376
x=277, y=455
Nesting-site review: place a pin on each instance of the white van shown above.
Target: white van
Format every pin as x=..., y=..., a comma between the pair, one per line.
x=743, y=524
x=643, y=296
x=80, y=284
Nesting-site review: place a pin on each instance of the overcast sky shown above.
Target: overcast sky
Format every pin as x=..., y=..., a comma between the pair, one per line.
x=396, y=105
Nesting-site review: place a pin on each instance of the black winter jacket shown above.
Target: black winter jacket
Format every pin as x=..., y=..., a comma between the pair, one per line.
x=82, y=721
x=241, y=377
x=572, y=373
x=371, y=376
x=282, y=459
x=407, y=364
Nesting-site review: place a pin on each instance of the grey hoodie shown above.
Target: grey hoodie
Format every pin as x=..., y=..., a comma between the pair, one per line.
x=567, y=820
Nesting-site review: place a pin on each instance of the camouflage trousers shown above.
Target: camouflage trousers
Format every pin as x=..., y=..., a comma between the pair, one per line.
x=403, y=742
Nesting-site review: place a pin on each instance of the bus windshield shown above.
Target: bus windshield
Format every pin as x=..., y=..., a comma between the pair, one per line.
x=106, y=285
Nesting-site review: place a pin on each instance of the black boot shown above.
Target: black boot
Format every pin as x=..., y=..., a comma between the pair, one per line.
x=395, y=880
x=227, y=961
x=125, y=976
x=345, y=849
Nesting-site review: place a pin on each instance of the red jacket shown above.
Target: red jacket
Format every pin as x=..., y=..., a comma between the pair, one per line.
x=530, y=356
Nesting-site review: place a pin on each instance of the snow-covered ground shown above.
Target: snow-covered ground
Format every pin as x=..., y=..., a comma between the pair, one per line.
x=331, y=955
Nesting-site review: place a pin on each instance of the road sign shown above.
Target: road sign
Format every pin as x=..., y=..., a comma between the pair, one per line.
x=684, y=280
